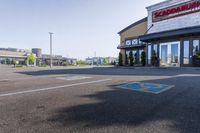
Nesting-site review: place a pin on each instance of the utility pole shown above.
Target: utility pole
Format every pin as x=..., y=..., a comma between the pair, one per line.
x=51, y=64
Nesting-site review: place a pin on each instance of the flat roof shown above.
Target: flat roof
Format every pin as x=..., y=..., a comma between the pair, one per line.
x=158, y=4
x=134, y=24
x=12, y=56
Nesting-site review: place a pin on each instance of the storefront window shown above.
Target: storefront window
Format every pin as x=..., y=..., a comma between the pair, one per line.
x=135, y=55
x=155, y=50
x=140, y=42
x=186, y=52
x=134, y=41
x=149, y=54
x=195, y=47
x=140, y=55
x=128, y=42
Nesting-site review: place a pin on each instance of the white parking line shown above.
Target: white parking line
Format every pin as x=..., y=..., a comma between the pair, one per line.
x=34, y=77
x=53, y=88
x=30, y=77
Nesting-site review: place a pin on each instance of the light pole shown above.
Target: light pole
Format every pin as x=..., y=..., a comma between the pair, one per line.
x=50, y=33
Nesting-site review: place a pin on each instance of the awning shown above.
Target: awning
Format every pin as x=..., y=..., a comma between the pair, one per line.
x=130, y=46
x=189, y=31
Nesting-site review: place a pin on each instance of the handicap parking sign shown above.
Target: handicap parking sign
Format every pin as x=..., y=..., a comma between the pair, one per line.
x=147, y=87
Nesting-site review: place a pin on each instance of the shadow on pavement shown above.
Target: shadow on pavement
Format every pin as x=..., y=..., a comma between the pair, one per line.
x=180, y=105
x=112, y=71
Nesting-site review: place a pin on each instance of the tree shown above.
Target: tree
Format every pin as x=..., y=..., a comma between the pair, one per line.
x=105, y=61
x=31, y=59
x=14, y=62
x=120, y=59
x=131, y=58
x=143, y=58
x=8, y=61
x=126, y=59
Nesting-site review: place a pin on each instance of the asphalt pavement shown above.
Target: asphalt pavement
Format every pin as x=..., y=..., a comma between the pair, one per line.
x=88, y=100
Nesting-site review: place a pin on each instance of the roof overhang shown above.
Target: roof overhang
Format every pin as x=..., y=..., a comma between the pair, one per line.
x=189, y=31
x=13, y=56
x=131, y=46
x=132, y=25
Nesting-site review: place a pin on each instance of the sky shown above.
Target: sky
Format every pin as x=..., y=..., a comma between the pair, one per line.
x=81, y=27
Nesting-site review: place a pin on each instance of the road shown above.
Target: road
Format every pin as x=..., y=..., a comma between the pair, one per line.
x=79, y=100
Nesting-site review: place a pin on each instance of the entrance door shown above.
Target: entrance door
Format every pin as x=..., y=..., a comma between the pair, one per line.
x=170, y=54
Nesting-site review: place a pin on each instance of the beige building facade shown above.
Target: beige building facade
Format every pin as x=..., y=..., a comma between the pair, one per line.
x=130, y=41
x=170, y=35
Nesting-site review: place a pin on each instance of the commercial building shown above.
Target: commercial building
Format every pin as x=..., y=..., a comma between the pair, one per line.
x=101, y=61
x=173, y=33
x=9, y=55
x=57, y=60
x=130, y=41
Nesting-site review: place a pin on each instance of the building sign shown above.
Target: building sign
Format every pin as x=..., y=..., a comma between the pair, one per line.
x=176, y=10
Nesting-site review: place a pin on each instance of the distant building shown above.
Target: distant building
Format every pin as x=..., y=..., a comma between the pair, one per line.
x=58, y=60
x=9, y=55
x=37, y=52
x=101, y=60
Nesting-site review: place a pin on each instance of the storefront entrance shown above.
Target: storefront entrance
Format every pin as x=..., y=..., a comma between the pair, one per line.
x=170, y=54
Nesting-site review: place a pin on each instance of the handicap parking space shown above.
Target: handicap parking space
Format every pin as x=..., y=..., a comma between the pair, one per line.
x=153, y=88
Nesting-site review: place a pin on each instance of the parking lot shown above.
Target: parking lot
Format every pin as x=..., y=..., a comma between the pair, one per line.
x=38, y=100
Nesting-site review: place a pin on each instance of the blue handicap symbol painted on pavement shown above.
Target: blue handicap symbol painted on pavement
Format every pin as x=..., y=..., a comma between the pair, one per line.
x=147, y=87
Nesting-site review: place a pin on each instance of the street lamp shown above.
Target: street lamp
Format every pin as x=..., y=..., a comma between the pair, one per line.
x=50, y=33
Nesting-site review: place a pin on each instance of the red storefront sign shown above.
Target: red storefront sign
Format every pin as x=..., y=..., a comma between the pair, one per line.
x=176, y=10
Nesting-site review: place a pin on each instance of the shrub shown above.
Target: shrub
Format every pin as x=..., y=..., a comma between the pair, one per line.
x=126, y=59
x=196, y=56
x=43, y=65
x=120, y=59
x=81, y=62
x=131, y=58
x=18, y=66
x=196, y=60
x=143, y=58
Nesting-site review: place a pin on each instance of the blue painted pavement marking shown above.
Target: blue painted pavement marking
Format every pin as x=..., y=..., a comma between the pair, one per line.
x=147, y=87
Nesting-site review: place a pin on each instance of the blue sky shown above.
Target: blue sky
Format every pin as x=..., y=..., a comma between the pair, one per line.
x=81, y=27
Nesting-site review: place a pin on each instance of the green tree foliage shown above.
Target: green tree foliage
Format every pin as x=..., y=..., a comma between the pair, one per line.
x=81, y=62
x=120, y=59
x=143, y=58
x=105, y=61
x=31, y=59
x=131, y=58
x=126, y=59
x=14, y=62
x=8, y=62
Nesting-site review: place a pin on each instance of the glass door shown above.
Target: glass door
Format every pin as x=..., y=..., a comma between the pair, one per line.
x=170, y=54
x=174, y=55
x=163, y=52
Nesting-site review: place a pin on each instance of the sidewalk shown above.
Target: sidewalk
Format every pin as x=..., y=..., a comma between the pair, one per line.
x=178, y=68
